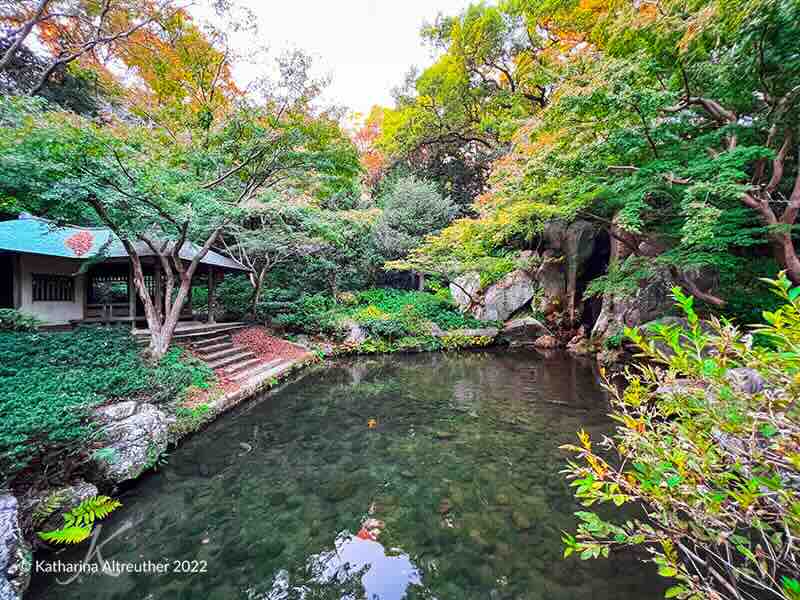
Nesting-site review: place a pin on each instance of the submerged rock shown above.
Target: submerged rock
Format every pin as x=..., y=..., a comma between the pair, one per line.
x=15, y=554
x=135, y=436
x=520, y=520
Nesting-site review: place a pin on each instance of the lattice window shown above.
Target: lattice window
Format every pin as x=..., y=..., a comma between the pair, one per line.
x=108, y=288
x=53, y=288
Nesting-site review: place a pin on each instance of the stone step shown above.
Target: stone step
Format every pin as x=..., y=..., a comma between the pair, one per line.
x=184, y=328
x=264, y=375
x=241, y=365
x=209, y=342
x=247, y=374
x=233, y=359
x=203, y=335
x=224, y=351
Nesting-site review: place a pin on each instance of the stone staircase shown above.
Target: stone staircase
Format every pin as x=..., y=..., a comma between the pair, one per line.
x=237, y=363
x=214, y=345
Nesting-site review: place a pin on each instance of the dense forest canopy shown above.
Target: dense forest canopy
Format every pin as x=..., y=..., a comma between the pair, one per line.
x=606, y=157
x=676, y=122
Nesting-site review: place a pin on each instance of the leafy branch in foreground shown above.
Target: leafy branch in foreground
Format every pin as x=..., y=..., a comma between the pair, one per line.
x=708, y=443
x=79, y=522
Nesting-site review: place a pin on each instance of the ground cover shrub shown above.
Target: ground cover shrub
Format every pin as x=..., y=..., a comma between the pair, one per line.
x=383, y=312
x=50, y=381
x=424, y=305
x=14, y=320
x=708, y=442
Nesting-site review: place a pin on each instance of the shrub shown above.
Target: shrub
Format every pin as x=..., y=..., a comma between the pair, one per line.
x=14, y=320
x=708, y=442
x=390, y=329
x=50, y=381
x=233, y=294
x=383, y=312
x=412, y=209
x=425, y=306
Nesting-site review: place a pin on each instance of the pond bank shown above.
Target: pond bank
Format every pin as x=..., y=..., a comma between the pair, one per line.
x=137, y=436
x=448, y=461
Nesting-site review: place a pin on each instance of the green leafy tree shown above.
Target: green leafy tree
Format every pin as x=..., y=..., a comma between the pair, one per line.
x=708, y=443
x=412, y=209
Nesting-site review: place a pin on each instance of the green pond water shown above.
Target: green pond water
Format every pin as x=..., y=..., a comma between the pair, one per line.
x=461, y=465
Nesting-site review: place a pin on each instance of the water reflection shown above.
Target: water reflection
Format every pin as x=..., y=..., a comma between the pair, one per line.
x=376, y=571
x=462, y=467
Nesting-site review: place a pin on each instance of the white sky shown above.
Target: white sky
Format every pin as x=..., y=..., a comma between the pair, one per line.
x=366, y=45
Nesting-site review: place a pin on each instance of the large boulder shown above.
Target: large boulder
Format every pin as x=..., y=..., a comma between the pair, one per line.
x=579, y=244
x=15, y=554
x=465, y=289
x=506, y=297
x=135, y=436
x=649, y=302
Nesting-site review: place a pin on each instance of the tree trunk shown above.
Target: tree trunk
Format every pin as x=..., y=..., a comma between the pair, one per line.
x=258, y=284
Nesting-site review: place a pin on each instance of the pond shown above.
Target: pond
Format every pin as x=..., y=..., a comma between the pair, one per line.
x=419, y=476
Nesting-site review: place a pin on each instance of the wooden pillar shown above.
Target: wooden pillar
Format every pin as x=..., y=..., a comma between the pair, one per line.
x=212, y=285
x=159, y=295
x=131, y=295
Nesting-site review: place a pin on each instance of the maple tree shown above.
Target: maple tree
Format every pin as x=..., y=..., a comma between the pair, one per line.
x=366, y=137
x=678, y=126
x=206, y=154
x=90, y=32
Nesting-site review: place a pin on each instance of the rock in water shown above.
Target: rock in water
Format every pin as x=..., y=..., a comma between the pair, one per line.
x=135, y=436
x=522, y=330
x=520, y=520
x=15, y=554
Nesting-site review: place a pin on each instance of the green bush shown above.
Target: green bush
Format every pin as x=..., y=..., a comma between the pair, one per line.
x=390, y=329
x=49, y=382
x=234, y=294
x=426, y=306
x=14, y=320
x=384, y=313
x=708, y=442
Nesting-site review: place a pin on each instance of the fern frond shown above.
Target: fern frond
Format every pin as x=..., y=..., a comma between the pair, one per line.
x=66, y=535
x=46, y=508
x=79, y=522
x=91, y=509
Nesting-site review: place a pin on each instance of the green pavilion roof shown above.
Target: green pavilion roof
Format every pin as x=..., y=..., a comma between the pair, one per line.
x=33, y=235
